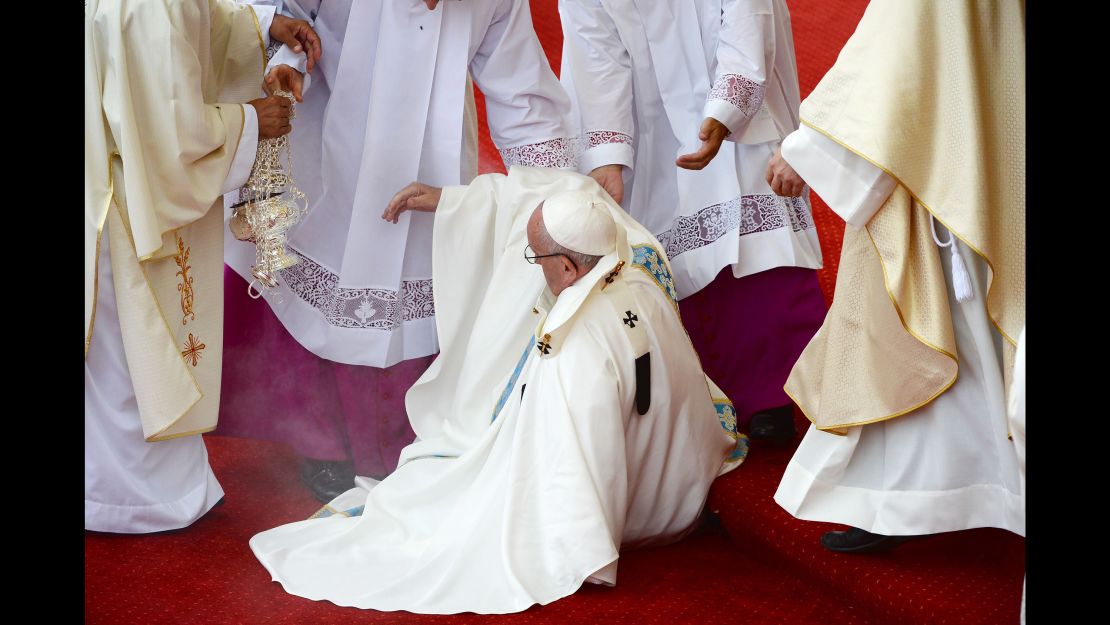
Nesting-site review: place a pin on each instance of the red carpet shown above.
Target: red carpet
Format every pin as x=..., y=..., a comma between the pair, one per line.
x=969, y=577
x=768, y=568
x=206, y=574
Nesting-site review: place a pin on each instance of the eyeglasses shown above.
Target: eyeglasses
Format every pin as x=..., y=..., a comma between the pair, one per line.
x=532, y=258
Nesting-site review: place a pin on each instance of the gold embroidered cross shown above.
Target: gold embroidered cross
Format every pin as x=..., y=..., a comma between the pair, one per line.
x=193, y=347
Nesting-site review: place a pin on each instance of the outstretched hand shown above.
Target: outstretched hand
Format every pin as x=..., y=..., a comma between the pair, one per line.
x=712, y=134
x=414, y=197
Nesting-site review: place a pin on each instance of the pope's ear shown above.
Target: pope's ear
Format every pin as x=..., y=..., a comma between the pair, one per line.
x=568, y=266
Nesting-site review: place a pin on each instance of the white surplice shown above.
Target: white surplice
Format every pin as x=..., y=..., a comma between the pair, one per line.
x=389, y=103
x=643, y=75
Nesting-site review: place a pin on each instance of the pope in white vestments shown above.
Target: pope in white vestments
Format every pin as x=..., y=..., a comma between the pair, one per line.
x=567, y=415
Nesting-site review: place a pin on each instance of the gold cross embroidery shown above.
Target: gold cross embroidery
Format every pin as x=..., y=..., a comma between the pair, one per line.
x=193, y=347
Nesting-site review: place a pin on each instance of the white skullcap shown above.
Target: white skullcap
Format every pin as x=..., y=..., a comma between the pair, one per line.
x=580, y=222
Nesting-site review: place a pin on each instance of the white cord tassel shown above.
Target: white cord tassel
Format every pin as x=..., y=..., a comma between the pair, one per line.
x=961, y=279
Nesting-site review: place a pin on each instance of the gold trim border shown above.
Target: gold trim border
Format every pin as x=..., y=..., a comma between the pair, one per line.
x=979, y=252
x=96, y=261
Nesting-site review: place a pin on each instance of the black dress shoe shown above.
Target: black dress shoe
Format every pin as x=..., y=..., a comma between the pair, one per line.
x=776, y=424
x=327, y=479
x=855, y=540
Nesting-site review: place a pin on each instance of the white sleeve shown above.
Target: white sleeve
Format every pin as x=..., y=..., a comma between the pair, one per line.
x=527, y=109
x=597, y=73
x=298, y=61
x=852, y=187
x=303, y=10
x=745, y=52
x=264, y=11
x=245, y=153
